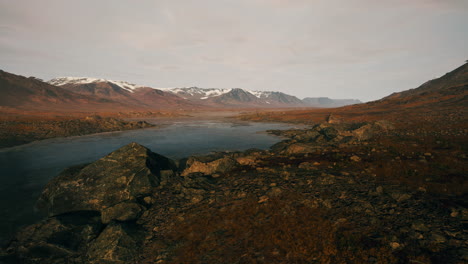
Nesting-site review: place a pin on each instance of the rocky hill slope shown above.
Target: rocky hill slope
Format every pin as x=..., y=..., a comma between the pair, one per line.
x=443, y=100
x=136, y=96
x=31, y=94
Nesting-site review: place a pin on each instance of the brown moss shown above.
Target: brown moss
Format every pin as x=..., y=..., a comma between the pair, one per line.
x=281, y=230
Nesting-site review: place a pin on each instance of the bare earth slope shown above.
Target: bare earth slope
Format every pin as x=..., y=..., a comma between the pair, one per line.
x=30, y=94
x=443, y=100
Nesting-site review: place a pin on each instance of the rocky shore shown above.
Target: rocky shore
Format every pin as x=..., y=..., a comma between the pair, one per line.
x=331, y=193
x=14, y=133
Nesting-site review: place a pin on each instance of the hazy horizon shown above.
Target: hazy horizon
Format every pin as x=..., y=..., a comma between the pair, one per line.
x=358, y=49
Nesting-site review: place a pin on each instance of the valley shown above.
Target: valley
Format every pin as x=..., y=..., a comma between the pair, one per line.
x=378, y=182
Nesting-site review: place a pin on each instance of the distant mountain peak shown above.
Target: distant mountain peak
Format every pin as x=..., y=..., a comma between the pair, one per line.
x=61, y=81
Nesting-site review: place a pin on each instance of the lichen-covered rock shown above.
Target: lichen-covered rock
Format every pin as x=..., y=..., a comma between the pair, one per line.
x=247, y=160
x=222, y=165
x=126, y=174
x=300, y=148
x=115, y=245
x=368, y=131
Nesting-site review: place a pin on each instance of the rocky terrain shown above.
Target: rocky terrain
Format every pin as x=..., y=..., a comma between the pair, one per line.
x=17, y=132
x=331, y=193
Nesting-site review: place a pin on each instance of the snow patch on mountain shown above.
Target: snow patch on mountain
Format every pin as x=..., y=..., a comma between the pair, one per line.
x=86, y=80
x=202, y=93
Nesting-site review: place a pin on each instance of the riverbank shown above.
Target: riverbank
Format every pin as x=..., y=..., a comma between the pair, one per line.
x=13, y=133
x=18, y=129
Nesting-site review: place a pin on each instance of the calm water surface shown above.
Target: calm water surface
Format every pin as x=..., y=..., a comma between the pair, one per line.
x=25, y=170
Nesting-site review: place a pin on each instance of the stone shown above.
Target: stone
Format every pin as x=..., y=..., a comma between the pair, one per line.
x=400, y=197
x=379, y=190
x=148, y=200
x=329, y=132
x=114, y=245
x=275, y=191
x=247, y=161
x=127, y=211
x=56, y=239
x=300, y=148
x=166, y=176
x=395, y=245
x=438, y=238
x=263, y=199
x=126, y=174
x=355, y=158
x=222, y=165
x=419, y=226
x=368, y=131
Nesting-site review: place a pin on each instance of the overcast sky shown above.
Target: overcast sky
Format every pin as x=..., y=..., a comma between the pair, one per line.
x=363, y=49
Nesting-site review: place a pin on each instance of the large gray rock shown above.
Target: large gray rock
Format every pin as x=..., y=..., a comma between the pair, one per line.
x=127, y=174
x=117, y=244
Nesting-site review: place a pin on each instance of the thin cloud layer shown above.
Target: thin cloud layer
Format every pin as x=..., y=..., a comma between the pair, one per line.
x=341, y=49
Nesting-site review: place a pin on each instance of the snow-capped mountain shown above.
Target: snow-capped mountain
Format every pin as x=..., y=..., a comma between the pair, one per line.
x=237, y=97
x=124, y=92
x=85, y=80
x=189, y=97
x=193, y=96
x=197, y=93
x=32, y=94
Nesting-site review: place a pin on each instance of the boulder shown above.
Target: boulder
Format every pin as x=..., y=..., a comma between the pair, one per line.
x=329, y=132
x=247, y=160
x=60, y=239
x=116, y=244
x=127, y=174
x=367, y=131
x=222, y=165
x=300, y=148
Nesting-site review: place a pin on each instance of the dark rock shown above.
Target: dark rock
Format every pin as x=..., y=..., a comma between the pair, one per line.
x=329, y=132
x=126, y=211
x=126, y=174
x=58, y=239
x=117, y=244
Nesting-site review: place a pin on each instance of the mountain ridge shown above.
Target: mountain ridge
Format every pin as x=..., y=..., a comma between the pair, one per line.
x=201, y=97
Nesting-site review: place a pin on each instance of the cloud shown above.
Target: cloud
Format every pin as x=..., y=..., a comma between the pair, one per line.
x=257, y=44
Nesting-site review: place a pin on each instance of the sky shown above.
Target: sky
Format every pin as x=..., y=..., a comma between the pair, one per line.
x=360, y=49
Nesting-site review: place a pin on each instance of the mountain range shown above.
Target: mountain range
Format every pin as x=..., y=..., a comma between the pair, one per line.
x=92, y=94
